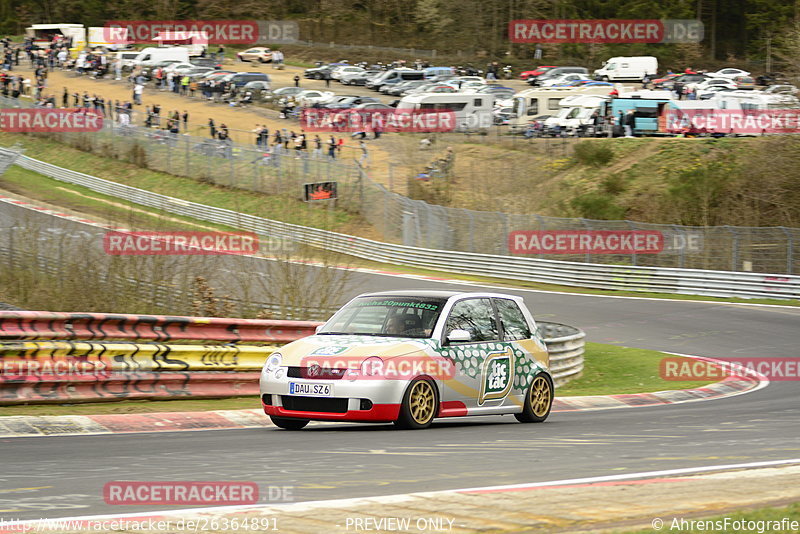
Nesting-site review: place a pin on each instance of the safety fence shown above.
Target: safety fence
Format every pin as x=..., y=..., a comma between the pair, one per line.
x=56, y=369
x=30, y=325
x=417, y=223
x=599, y=276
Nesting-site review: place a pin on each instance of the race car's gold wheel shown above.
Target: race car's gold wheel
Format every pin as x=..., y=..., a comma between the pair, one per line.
x=419, y=405
x=538, y=401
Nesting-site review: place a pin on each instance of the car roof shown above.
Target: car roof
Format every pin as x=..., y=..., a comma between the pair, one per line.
x=430, y=293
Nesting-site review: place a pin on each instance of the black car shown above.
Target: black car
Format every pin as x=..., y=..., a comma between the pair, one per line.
x=320, y=73
x=239, y=79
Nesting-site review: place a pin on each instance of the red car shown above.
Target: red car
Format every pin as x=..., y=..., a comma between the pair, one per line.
x=538, y=72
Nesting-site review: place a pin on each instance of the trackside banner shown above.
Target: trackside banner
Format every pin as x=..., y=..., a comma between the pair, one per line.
x=49, y=120
x=586, y=242
x=146, y=31
x=733, y=121
x=384, y=120
x=605, y=31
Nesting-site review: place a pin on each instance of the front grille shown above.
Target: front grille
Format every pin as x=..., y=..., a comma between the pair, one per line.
x=322, y=374
x=314, y=404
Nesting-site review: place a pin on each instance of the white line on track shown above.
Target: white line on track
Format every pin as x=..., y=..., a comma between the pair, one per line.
x=387, y=499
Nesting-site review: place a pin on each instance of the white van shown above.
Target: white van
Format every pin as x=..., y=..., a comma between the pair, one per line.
x=151, y=55
x=473, y=111
x=576, y=111
x=627, y=68
x=395, y=76
x=531, y=103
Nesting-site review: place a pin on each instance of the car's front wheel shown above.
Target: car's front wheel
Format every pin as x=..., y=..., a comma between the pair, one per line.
x=288, y=423
x=419, y=405
x=538, y=401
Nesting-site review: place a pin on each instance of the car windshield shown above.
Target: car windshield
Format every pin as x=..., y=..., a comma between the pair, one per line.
x=386, y=316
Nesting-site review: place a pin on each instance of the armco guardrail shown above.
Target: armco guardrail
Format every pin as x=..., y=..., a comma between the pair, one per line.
x=597, y=276
x=85, y=371
x=38, y=325
x=565, y=344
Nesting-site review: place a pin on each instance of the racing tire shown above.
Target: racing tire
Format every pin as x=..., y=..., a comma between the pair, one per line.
x=419, y=406
x=538, y=400
x=288, y=423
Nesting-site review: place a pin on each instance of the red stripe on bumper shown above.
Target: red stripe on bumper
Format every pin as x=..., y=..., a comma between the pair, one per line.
x=380, y=413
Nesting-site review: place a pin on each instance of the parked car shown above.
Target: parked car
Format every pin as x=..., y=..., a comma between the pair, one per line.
x=728, y=73
x=239, y=79
x=683, y=78
x=322, y=72
x=498, y=91
x=259, y=88
x=787, y=89
x=349, y=101
x=409, y=357
x=338, y=72
x=714, y=82
x=563, y=79
x=283, y=92
x=259, y=53
x=372, y=105
x=557, y=71
x=744, y=82
x=309, y=97
x=360, y=78
x=538, y=71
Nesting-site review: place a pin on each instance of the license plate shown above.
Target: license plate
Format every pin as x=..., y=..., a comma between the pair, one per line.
x=310, y=389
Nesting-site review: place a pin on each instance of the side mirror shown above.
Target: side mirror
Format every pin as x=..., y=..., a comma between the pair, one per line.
x=457, y=335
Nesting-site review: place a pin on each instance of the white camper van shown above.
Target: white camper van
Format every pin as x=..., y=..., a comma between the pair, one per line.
x=546, y=101
x=576, y=111
x=627, y=68
x=42, y=34
x=151, y=55
x=473, y=111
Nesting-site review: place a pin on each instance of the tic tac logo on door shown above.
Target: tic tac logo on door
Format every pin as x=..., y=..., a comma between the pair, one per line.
x=497, y=375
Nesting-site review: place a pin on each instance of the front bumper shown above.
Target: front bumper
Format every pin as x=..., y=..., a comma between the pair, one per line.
x=364, y=400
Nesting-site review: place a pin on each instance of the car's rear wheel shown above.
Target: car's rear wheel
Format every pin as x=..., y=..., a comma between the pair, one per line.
x=419, y=405
x=538, y=400
x=261, y=60
x=288, y=423
x=317, y=76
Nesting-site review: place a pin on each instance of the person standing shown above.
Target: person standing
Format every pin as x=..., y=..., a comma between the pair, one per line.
x=317, y=147
x=332, y=148
x=629, y=123
x=138, y=89
x=185, y=119
x=212, y=128
x=296, y=80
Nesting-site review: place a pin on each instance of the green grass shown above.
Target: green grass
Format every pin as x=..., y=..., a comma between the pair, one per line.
x=768, y=514
x=609, y=369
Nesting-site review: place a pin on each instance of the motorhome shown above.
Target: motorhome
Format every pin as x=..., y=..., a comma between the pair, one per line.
x=576, y=111
x=99, y=38
x=473, y=111
x=650, y=114
x=545, y=101
x=627, y=68
x=43, y=34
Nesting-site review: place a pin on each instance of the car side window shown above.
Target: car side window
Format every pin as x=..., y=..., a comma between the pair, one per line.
x=476, y=316
x=515, y=327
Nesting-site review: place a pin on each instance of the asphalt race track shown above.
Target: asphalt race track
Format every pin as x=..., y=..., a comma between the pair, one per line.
x=64, y=476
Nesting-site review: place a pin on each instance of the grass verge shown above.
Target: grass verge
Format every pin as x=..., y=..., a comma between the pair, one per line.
x=762, y=517
x=608, y=370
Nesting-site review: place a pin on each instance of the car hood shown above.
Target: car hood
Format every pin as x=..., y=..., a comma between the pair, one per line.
x=352, y=349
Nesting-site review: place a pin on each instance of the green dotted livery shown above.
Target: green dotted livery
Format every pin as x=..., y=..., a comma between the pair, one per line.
x=411, y=356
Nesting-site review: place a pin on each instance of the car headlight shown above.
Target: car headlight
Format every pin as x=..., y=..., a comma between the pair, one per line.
x=273, y=362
